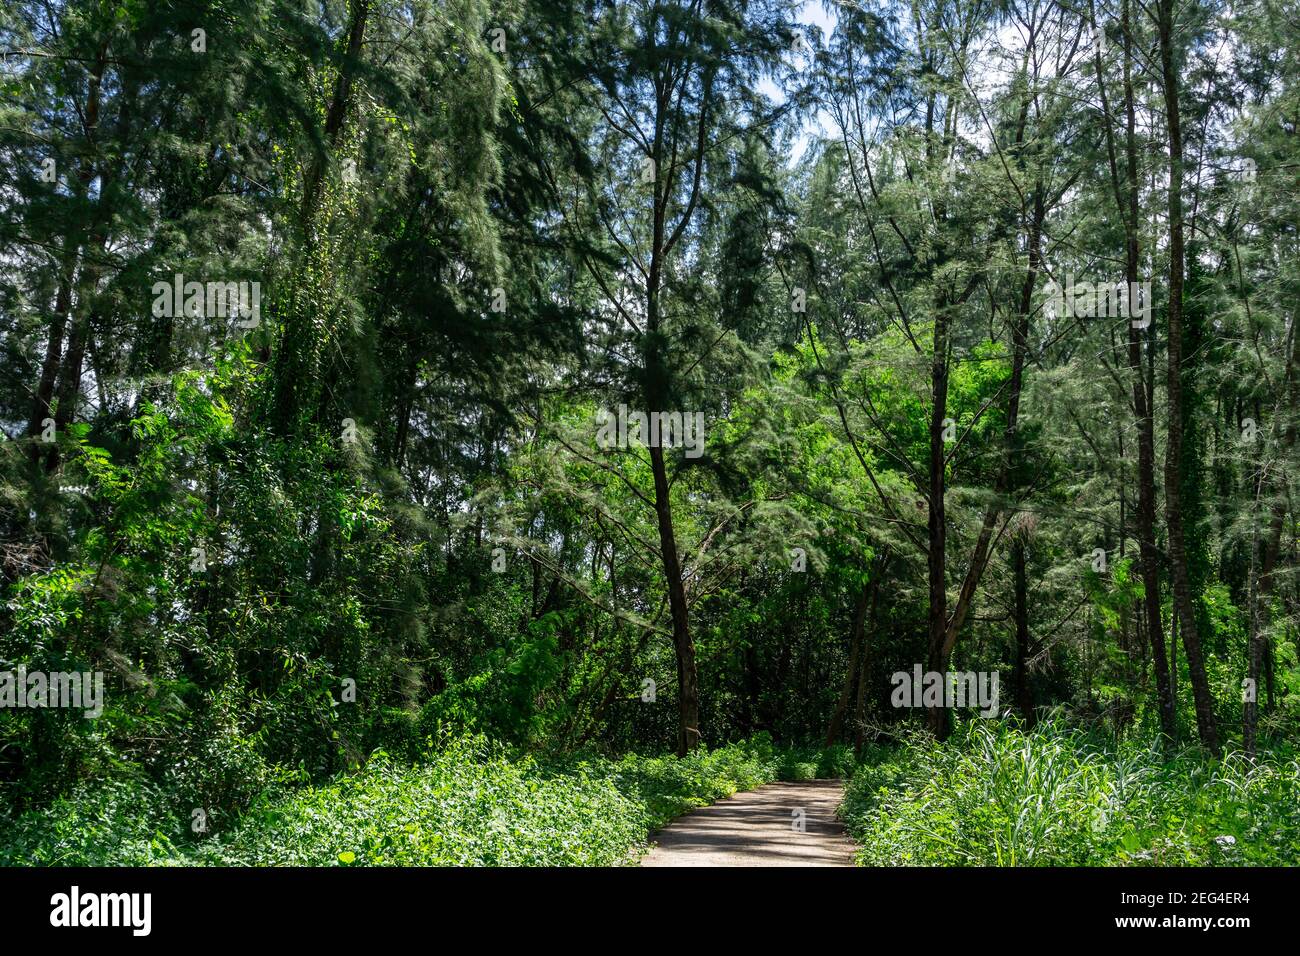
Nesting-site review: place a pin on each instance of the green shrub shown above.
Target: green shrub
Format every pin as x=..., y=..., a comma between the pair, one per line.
x=836, y=762
x=669, y=786
x=122, y=823
x=468, y=803
x=797, y=770
x=812, y=763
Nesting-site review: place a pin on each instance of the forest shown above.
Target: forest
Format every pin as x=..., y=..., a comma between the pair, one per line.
x=480, y=432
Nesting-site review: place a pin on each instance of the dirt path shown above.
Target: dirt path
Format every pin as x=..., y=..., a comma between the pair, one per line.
x=758, y=828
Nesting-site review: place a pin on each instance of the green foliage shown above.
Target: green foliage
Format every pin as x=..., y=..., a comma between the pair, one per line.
x=995, y=795
x=501, y=698
x=463, y=255
x=469, y=803
x=118, y=822
x=669, y=786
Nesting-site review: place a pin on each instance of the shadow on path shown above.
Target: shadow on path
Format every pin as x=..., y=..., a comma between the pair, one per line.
x=756, y=828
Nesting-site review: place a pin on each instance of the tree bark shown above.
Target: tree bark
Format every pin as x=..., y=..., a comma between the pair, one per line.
x=1126, y=199
x=1183, y=599
x=74, y=357
x=298, y=346
x=1010, y=441
x=1024, y=694
x=1262, y=586
x=857, y=641
x=864, y=663
x=937, y=717
x=43, y=404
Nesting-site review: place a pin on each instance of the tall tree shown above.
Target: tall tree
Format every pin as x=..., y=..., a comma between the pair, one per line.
x=1184, y=600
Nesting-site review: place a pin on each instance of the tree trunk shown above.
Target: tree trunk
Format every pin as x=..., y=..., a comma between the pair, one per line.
x=860, y=706
x=1010, y=440
x=1183, y=597
x=857, y=640
x=299, y=345
x=688, y=689
x=73, y=363
x=1262, y=586
x=1024, y=694
x=937, y=717
x=1143, y=407
x=42, y=405
x=864, y=663
x=56, y=361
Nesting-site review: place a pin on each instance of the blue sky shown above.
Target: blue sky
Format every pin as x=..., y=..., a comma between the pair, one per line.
x=822, y=14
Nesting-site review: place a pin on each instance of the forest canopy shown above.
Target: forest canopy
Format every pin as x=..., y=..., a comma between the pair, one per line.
x=395, y=393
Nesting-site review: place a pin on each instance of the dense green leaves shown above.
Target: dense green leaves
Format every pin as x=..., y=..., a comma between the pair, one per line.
x=381, y=510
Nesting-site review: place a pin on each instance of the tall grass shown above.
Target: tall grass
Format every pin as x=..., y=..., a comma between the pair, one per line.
x=995, y=795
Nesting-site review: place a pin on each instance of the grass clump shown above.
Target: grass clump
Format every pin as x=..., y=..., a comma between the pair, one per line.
x=995, y=795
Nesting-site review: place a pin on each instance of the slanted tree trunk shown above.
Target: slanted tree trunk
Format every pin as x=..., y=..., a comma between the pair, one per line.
x=656, y=393
x=657, y=387
x=860, y=706
x=299, y=345
x=1011, y=450
x=864, y=662
x=73, y=363
x=688, y=688
x=55, y=370
x=43, y=403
